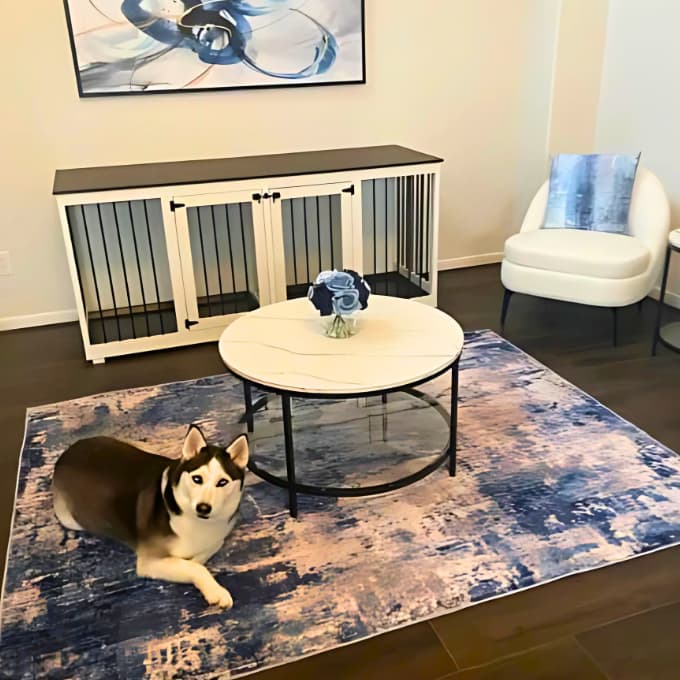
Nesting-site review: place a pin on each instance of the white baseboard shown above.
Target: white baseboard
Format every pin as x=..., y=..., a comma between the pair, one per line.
x=66, y=315
x=8, y=323
x=469, y=261
x=672, y=299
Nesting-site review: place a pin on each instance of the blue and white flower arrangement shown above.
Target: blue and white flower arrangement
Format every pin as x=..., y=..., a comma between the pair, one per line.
x=339, y=293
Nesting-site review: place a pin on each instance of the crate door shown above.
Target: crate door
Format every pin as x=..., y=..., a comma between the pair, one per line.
x=311, y=232
x=398, y=234
x=223, y=255
x=121, y=260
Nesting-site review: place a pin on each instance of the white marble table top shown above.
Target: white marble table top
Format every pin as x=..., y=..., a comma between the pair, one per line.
x=397, y=342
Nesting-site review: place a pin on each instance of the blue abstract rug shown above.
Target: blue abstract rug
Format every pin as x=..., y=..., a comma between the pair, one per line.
x=550, y=483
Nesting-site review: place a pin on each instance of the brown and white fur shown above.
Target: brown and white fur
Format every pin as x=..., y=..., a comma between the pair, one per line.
x=174, y=513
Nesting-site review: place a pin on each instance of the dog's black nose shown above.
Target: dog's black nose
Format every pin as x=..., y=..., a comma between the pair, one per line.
x=203, y=508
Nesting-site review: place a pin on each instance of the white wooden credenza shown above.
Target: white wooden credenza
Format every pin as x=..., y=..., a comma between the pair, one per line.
x=168, y=254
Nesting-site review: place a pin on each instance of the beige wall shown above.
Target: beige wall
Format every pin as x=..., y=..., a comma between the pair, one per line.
x=639, y=102
x=577, y=75
x=466, y=80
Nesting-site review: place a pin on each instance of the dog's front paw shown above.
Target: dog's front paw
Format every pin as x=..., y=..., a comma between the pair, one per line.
x=216, y=594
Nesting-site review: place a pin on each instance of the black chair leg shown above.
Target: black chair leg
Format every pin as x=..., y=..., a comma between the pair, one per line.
x=640, y=304
x=507, y=294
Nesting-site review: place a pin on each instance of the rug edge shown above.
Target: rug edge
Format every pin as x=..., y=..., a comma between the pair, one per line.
x=10, y=535
x=427, y=619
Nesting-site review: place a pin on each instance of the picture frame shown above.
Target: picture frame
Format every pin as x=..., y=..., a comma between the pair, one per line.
x=143, y=47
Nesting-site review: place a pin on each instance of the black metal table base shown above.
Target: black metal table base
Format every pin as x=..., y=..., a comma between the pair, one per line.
x=295, y=487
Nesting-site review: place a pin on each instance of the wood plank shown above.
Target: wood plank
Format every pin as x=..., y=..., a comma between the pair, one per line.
x=509, y=625
x=644, y=646
x=81, y=180
x=564, y=660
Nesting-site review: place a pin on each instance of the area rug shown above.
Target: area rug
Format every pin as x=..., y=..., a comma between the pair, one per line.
x=550, y=483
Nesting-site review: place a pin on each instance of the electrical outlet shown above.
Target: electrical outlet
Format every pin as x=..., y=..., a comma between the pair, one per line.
x=5, y=264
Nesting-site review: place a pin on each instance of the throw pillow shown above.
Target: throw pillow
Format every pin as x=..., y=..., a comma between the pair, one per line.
x=590, y=192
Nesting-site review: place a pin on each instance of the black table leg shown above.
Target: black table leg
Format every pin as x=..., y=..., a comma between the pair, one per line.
x=290, y=454
x=248, y=397
x=453, y=432
x=662, y=295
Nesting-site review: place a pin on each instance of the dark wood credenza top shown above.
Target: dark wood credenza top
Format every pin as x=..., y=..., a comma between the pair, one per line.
x=81, y=180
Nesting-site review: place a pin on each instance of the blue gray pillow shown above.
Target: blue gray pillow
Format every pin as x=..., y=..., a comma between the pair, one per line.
x=591, y=192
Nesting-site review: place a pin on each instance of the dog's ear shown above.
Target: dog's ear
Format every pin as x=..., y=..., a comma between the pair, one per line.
x=193, y=442
x=238, y=451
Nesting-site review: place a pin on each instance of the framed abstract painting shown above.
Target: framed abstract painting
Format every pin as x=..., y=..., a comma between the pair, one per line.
x=123, y=47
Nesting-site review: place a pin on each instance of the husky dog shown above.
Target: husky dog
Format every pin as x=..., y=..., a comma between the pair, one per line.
x=174, y=513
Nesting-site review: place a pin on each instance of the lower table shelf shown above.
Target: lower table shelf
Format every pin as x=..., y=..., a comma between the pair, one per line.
x=670, y=335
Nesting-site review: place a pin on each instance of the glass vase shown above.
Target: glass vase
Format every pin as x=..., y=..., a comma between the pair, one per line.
x=340, y=327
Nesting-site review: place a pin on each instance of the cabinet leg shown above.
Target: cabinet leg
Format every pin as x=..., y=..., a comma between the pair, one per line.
x=98, y=362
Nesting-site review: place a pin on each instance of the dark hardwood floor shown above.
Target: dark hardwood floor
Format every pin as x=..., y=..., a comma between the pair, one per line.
x=620, y=623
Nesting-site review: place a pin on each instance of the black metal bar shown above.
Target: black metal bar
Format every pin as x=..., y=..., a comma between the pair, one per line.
x=290, y=454
x=108, y=269
x=421, y=219
x=383, y=397
x=662, y=295
x=231, y=252
x=408, y=226
x=153, y=266
x=205, y=268
x=217, y=257
x=292, y=233
x=330, y=229
x=386, y=238
x=398, y=200
x=453, y=423
x=248, y=398
x=94, y=273
x=318, y=232
x=428, y=221
x=507, y=294
x=375, y=241
x=139, y=268
x=125, y=276
x=304, y=221
x=243, y=242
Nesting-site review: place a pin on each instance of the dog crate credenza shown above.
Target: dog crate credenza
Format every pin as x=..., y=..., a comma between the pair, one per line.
x=168, y=254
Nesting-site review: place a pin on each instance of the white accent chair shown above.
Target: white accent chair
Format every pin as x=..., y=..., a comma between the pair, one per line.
x=587, y=267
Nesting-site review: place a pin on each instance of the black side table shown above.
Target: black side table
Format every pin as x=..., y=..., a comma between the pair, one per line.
x=669, y=335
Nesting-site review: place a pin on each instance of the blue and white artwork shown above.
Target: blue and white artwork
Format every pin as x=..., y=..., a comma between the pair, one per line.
x=145, y=46
x=591, y=192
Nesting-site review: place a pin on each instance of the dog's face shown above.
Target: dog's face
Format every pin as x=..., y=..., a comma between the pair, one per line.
x=208, y=481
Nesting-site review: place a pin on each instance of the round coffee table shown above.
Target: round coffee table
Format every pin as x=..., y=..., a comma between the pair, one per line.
x=399, y=344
